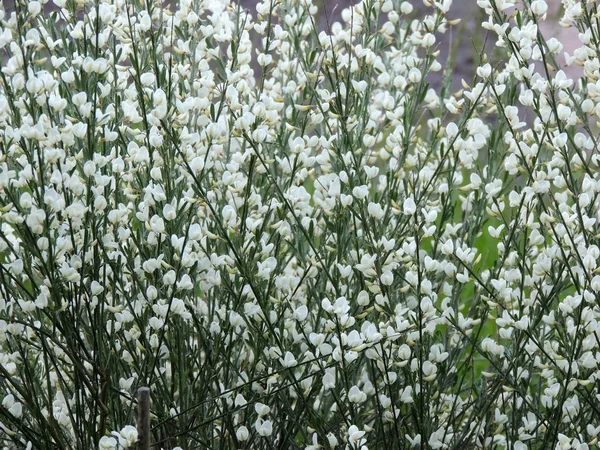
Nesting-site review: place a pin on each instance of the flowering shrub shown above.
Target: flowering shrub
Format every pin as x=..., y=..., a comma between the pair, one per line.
x=289, y=236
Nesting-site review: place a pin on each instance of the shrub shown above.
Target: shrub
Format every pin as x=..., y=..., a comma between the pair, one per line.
x=288, y=235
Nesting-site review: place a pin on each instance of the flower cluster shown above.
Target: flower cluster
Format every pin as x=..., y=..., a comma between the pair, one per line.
x=289, y=235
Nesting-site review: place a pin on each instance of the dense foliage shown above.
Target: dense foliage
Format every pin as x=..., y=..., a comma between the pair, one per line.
x=289, y=235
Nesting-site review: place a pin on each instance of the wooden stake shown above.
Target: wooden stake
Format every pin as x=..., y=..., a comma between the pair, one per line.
x=143, y=419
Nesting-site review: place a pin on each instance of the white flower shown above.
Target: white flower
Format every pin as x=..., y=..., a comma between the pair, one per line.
x=35, y=220
x=242, y=433
x=406, y=396
x=355, y=395
x=414, y=75
x=539, y=7
x=363, y=298
x=451, y=130
x=5, y=37
x=107, y=443
x=429, y=371
x=366, y=265
x=289, y=360
x=34, y=8
x=355, y=437
x=428, y=40
x=169, y=213
x=261, y=409
x=128, y=436
x=157, y=224
x=147, y=79
x=406, y=7
x=14, y=407
x=387, y=278
x=264, y=428
x=197, y=164
x=360, y=192
x=185, y=283
x=359, y=86
x=70, y=274
x=264, y=59
x=266, y=267
x=195, y=232
x=301, y=313
x=375, y=210
x=409, y=207
x=512, y=115
x=169, y=278
x=371, y=171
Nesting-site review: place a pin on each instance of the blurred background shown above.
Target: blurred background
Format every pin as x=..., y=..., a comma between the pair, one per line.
x=468, y=36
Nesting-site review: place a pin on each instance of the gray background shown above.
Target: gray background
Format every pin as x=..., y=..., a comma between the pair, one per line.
x=469, y=33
